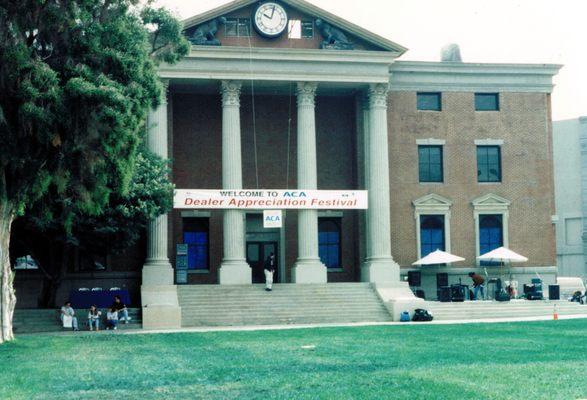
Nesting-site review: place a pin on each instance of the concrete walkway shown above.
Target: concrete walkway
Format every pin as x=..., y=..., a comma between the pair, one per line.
x=301, y=326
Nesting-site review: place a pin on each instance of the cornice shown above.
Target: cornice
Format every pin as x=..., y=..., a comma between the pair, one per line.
x=476, y=77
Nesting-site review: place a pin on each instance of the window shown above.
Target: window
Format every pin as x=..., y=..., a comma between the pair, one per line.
x=244, y=27
x=429, y=101
x=432, y=212
x=431, y=234
x=486, y=102
x=488, y=164
x=329, y=241
x=196, y=236
x=237, y=27
x=490, y=234
x=430, y=163
x=307, y=29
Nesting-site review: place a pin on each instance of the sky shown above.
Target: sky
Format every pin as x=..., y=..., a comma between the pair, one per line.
x=493, y=31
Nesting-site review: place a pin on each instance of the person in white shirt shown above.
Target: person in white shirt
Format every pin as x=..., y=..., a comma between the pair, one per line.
x=111, y=319
x=67, y=313
x=94, y=318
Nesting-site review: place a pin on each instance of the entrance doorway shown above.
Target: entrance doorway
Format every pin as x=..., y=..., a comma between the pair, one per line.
x=260, y=243
x=257, y=253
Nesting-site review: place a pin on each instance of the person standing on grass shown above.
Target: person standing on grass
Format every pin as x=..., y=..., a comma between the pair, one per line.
x=478, y=282
x=94, y=318
x=120, y=308
x=68, y=312
x=269, y=269
x=111, y=319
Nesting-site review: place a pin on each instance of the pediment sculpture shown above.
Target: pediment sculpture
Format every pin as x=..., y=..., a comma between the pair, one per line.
x=334, y=38
x=205, y=34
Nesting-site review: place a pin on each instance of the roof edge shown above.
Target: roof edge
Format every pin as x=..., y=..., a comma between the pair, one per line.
x=308, y=8
x=441, y=66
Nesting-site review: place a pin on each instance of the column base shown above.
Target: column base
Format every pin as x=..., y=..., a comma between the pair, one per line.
x=309, y=272
x=161, y=308
x=380, y=270
x=161, y=317
x=234, y=273
x=157, y=272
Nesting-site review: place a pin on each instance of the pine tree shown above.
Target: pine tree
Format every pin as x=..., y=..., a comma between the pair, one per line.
x=77, y=79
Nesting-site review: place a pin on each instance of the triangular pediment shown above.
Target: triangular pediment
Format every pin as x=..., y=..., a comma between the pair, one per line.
x=491, y=200
x=432, y=200
x=364, y=39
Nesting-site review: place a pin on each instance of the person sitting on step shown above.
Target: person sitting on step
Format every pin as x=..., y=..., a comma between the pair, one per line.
x=68, y=318
x=121, y=309
x=94, y=318
x=111, y=319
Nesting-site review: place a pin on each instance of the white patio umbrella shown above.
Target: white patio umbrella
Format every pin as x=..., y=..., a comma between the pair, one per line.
x=438, y=257
x=502, y=255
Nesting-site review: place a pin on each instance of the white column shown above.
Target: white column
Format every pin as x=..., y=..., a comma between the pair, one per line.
x=379, y=265
x=308, y=268
x=158, y=292
x=234, y=268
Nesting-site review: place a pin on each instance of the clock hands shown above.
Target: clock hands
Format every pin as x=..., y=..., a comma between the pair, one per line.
x=272, y=12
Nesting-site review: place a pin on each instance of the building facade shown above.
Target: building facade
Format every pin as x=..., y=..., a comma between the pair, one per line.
x=455, y=156
x=570, y=172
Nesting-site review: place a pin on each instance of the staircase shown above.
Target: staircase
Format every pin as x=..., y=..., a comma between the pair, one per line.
x=224, y=305
x=47, y=320
x=510, y=309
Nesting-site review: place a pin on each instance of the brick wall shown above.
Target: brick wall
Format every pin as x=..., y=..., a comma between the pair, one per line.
x=197, y=160
x=523, y=122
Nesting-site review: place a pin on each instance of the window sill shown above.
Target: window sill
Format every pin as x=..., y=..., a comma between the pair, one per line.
x=431, y=183
x=489, y=183
x=198, y=271
x=335, y=269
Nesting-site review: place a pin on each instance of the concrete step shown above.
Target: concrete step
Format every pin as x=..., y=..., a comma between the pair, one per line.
x=255, y=313
x=273, y=321
x=293, y=302
x=512, y=309
x=47, y=320
x=288, y=303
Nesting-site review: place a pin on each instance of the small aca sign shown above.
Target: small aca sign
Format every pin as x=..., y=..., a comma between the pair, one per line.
x=272, y=219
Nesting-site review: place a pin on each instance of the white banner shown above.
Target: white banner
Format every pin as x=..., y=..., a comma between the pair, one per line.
x=268, y=199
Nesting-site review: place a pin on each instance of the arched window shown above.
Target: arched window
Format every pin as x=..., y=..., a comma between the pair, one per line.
x=431, y=234
x=490, y=234
x=329, y=233
x=196, y=236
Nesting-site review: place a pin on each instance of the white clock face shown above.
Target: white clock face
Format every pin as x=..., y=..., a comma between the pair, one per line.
x=270, y=19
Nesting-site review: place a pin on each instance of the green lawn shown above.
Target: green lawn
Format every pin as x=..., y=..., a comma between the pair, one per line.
x=526, y=360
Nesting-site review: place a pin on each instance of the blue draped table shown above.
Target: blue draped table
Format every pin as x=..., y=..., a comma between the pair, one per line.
x=100, y=298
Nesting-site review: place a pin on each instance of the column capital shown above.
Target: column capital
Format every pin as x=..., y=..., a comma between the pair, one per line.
x=306, y=92
x=231, y=91
x=378, y=95
x=164, y=90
